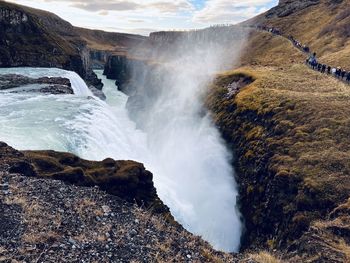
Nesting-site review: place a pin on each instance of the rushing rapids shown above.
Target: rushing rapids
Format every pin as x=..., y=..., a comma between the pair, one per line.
x=191, y=170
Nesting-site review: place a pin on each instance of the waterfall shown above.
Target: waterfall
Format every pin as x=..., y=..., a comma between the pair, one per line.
x=190, y=164
x=79, y=86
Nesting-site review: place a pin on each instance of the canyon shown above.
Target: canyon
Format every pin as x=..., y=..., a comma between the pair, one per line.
x=284, y=128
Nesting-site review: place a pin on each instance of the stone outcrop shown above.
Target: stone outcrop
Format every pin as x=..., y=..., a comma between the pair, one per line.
x=97, y=92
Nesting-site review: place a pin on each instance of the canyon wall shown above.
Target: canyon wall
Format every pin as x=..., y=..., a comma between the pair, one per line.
x=27, y=41
x=294, y=191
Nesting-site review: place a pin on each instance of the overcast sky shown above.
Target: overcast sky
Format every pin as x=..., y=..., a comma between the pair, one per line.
x=144, y=16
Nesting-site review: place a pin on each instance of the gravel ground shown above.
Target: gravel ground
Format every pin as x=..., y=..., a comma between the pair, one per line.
x=49, y=221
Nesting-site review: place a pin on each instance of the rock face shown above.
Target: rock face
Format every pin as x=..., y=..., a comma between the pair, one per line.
x=127, y=72
x=99, y=58
x=288, y=7
x=27, y=41
x=117, y=68
x=47, y=85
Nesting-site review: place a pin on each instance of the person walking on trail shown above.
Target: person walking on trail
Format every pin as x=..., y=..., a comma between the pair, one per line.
x=348, y=77
x=313, y=60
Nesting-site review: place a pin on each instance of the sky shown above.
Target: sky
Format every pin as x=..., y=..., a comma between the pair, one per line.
x=145, y=16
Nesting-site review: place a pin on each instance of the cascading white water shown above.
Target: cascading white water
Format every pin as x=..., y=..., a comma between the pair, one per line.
x=189, y=162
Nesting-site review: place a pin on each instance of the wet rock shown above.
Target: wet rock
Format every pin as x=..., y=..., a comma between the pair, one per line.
x=98, y=93
x=92, y=79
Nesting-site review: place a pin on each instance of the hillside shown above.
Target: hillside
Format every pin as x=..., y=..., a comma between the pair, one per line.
x=320, y=24
x=107, y=41
x=288, y=126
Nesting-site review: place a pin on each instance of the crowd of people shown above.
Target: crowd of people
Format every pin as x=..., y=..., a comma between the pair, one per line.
x=312, y=61
x=272, y=30
x=323, y=68
x=299, y=45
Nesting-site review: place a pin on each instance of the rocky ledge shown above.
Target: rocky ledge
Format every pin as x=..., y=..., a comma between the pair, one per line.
x=54, y=85
x=48, y=220
x=126, y=179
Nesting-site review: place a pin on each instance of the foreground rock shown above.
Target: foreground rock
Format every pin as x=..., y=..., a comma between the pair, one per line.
x=48, y=221
x=126, y=179
x=53, y=85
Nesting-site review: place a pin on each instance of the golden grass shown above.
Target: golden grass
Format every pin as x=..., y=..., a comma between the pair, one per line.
x=264, y=257
x=265, y=49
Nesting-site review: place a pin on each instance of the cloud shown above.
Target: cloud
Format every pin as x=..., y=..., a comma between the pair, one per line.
x=229, y=11
x=162, y=6
x=94, y=6
x=136, y=20
x=103, y=13
x=143, y=16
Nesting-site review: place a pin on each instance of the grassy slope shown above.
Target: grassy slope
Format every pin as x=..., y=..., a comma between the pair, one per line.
x=290, y=129
x=265, y=49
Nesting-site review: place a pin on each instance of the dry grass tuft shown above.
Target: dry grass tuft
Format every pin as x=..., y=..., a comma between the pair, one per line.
x=264, y=257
